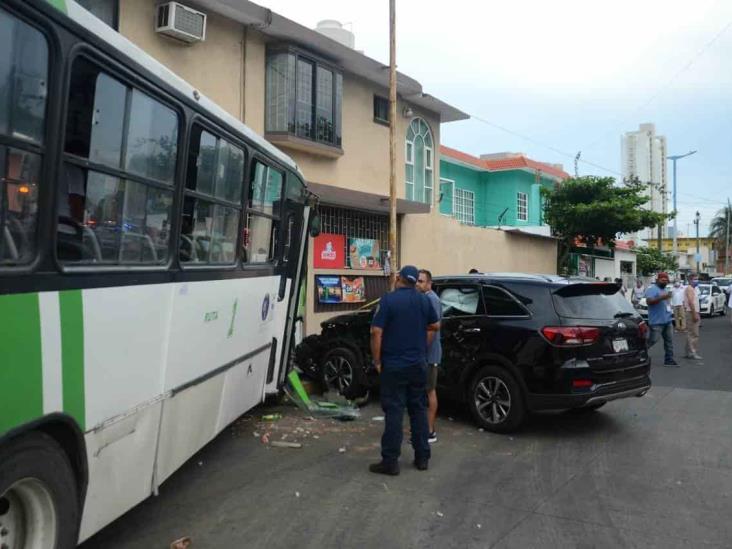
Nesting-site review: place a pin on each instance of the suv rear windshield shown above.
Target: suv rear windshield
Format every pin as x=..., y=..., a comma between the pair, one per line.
x=592, y=305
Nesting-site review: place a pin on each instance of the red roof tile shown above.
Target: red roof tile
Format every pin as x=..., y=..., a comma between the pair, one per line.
x=514, y=163
x=462, y=157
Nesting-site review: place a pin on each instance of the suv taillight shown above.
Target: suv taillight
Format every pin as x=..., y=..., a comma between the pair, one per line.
x=642, y=330
x=570, y=336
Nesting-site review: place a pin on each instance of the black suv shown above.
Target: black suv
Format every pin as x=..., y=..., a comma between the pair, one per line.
x=512, y=343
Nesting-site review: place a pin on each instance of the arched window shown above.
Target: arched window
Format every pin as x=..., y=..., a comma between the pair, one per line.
x=419, y=156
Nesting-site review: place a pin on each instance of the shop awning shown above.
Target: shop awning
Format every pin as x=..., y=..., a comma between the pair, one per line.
x=359, y=200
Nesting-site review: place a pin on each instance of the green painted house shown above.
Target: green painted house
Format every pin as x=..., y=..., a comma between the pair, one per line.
x=495, y=190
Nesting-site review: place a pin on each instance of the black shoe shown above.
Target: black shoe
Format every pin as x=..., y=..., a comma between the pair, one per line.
x=421, y=464
x=384, y=468
x=671, y=363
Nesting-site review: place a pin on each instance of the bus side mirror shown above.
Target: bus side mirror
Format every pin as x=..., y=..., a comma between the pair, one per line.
x=315, y=225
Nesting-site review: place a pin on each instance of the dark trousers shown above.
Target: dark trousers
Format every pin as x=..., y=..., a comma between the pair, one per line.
x=402, y=387
x=664, y=331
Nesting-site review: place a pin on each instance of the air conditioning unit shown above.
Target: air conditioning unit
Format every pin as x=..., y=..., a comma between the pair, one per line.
x=181, y=22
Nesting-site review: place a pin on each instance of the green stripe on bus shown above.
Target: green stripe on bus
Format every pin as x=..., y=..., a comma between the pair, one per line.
x=72, y=354
x=21, y=366
x=58, y=4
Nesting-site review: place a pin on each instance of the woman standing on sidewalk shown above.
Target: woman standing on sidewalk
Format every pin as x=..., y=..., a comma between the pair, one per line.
x=693, y=318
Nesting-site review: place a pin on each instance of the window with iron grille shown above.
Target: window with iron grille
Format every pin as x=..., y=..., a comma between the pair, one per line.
x=522, y=207
x=465, y=206
x=356, y=224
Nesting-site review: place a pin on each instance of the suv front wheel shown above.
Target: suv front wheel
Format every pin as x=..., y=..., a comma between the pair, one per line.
x=495, y=400
x=342, y=371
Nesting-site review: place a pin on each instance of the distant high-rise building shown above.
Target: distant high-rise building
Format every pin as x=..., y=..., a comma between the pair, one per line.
x=644, y=156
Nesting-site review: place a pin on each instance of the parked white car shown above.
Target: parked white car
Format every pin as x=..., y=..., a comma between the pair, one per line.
x=724, y=282
x=712, y=300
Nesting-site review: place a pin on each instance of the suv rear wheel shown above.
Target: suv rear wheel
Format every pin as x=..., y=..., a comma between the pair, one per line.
x=495, y=400
x=342, y=371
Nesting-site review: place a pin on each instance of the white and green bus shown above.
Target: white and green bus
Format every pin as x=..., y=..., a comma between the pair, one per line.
x=151, y=248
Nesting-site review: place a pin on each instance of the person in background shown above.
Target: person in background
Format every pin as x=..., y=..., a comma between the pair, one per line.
x=677, y=302
x=660, y=317
x=434, y=353
x=693, y=318
x=473, y=271
x=402, y=329
x=621, y=287
x=639, y=292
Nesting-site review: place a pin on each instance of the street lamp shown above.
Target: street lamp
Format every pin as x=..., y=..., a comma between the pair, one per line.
x=674, y=158
x=697, y=217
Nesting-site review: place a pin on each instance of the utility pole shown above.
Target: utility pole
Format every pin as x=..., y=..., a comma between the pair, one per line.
x=697, y=217
x=674, y=158
x=392, y=143
x=726, y=242
x=576, y=164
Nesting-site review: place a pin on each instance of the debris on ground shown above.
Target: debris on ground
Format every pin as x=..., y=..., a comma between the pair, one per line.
x=285, y=444
x=342, y=450
x=377, y=418
x=297, y=394
x=297, y=494
x=439, y=514
x=272, y=417
x=182, y=543
x=479, y=526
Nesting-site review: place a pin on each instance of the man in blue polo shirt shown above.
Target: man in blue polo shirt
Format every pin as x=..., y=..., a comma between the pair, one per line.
x=660, y=317
x=404, y=324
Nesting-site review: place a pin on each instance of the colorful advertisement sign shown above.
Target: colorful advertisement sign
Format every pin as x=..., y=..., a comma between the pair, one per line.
x=363, y=253
x=341, y=289
x=329, y=289
x=329, y=251
x=354, y=289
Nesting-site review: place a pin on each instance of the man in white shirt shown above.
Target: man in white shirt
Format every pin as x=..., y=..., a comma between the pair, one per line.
x=693, y=318
x=677, y=302
x=639, y=292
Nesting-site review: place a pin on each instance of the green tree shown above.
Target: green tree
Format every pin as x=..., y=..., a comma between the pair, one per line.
x=652, y=260
x=718, y=230
x=594, y=210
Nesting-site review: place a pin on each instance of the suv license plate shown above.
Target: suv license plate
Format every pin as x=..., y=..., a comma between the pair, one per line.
x=620, y=345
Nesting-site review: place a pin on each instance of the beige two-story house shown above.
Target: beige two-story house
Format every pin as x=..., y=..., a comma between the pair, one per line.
x=309, y=92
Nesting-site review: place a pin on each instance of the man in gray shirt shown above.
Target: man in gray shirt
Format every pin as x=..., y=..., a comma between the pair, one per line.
x=434, y=352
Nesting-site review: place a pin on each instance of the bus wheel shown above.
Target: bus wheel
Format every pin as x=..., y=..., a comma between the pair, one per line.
x=39, y=506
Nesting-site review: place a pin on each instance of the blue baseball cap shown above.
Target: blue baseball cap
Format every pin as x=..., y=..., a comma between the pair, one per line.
x=409, y=272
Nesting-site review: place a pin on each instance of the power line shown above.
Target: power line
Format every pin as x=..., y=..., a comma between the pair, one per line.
x=668, y=83
x=542, y=144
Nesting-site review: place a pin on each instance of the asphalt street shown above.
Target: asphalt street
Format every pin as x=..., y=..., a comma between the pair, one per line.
x=642, y=472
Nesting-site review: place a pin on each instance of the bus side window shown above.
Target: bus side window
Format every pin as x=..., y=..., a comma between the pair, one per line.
x=115, y=192
x=23, y=93
x=212, y=206
x=263, y=214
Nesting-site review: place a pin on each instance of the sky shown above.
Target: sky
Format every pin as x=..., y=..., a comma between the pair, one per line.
x=567, y=76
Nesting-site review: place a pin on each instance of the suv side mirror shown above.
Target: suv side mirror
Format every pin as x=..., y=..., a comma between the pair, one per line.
x=315, y=225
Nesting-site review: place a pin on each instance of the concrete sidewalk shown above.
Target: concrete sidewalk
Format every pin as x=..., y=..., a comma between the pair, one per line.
x=643, y=472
